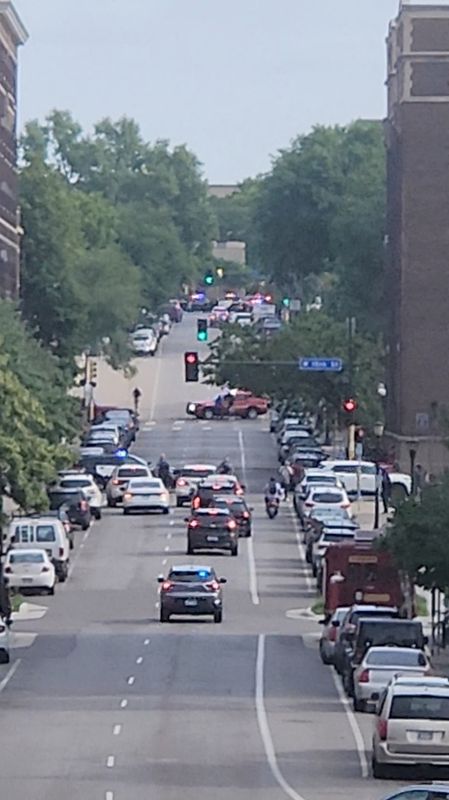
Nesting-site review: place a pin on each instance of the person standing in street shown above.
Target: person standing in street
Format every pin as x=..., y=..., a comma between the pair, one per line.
x=385, y=490
x=137, y=394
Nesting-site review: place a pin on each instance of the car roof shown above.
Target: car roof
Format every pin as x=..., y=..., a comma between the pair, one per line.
x=367, y=607
x=317, y=487
x=190, y=568
x=198, y=466
x=389, y=620
x=145, y=479
x=423, y=687
x=430, y=680
x=342, y=462
x=393, y=649
x=317, y=472
x=22, y=550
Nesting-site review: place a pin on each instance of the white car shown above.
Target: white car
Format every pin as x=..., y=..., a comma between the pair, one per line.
x=326, y=497
x=82, y=480
x=146, y=494
x=188, y=478
x=318, y=476
x=351, y=472
x=30, y=569
x=120, y=478
x=144, y=342
x=4, y=642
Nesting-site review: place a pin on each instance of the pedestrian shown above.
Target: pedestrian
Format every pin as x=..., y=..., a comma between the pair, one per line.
x=385, y=490
x=137, y=394
x=286, y=477
x=419, y=479
x=163, y=471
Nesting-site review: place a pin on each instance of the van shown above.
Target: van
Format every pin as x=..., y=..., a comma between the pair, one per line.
x=46, y=533
x=378, y=632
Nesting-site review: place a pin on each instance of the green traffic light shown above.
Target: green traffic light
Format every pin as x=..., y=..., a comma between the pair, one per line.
x=202, y=336
x=208, y=280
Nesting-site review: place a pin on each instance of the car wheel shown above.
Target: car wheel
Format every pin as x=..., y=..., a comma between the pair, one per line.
x=97, y=513
x=380, y=771
x=252, y=413
x=208, y=413
x=163, y=616
x=71, y=543
x=165, y=510
x=248, y=534
x=324, y=658
x=4, y=657
x=62, y=577
x=314, y=570
x=190, y=551
x=51, y=591
x=179, y=502
x=111, y=502
x=358, y=705
x=234, y=550
x=218, y=616
x=125, y=512
x=85, y=526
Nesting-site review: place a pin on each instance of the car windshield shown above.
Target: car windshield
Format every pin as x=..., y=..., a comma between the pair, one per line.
x=327, y=497
x=134, y=472
x=193, y=576
x=392, y=658
x=210, y=519
x=331, y=479
x=333, y=538
x=26, y=558
x=427, y=707
x=45, y=533
x=75, y=483
x=396, y=633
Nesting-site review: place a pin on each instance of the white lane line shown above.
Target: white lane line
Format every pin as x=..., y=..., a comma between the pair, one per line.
x=75, y=560
x=164, y=562
x=354, y=725
x=117, y=729
x=109, y=796
x=146, y=642
x=11, y=672
x=131, y=680
x=168, y=535
x=156, y=386
x=110, y=762
x=172, y=522
x=123, y=703
x=302, y=550
x=264, y=728
x=167, y=548
x=139, y=660
x=252, y=568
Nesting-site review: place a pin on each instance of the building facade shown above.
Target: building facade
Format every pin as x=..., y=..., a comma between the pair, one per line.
x=12, y=35
x=417, y=138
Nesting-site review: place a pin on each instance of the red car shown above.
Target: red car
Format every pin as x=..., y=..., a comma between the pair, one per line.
x=243, y=404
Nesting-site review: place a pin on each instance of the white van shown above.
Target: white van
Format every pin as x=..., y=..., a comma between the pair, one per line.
x=43, y=533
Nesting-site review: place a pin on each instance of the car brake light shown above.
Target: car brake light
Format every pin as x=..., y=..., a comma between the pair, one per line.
x=193, y=523
x=166, y=586
x=382, y=729
x=7, y=570
x=246, y=514
x=45, y=569
x=61, y=552
x=345, y=505
x=181, y=482
x=309, y=504
x=232, y=524
x=364, y=676
x=115, y=481
x=213, y=586
x=332, y=635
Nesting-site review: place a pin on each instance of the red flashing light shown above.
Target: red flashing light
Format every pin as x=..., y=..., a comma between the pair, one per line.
x=166, y=586
x=350, y=405
x=191, y=358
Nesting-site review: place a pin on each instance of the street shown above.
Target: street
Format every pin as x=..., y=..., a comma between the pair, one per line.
x=102, y=701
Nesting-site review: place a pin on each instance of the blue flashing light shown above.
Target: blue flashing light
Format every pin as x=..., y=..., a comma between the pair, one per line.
x=122, y=453
x=203, y=574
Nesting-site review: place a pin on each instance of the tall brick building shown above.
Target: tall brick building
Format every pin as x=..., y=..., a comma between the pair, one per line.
x=417, y=135
x=12, y=35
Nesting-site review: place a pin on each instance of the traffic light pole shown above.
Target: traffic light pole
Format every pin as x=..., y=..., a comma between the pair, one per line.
x=351, y=441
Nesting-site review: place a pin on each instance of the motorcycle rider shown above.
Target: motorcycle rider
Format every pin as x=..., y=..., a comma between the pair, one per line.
x=273, y=492
x=225, y=467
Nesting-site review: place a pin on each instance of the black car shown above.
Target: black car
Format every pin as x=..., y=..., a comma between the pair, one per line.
x=238, y=509
x=212, y=529
x=75, y=504
x=191, y=590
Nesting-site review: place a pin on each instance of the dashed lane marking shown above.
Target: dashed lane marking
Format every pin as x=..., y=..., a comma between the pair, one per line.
x=117, y=729
x=139, y=660
x=146, y=642
x=123, y=703
x=110, y=762
x=131, y=680
x=354, y=725
x=252, y=568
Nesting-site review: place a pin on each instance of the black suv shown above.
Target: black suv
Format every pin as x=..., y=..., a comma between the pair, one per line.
x=212, y=529
x=239, y=510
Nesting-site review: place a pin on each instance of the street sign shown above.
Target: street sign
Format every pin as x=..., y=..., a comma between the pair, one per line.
x=312, y=364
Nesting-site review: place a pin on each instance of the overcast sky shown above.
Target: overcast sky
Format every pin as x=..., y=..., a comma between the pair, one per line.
x=234, y=79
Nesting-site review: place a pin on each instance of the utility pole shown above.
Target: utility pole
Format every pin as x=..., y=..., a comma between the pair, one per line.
x=351, y=325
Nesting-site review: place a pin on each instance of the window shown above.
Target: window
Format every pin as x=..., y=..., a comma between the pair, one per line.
x=75, y=483
x=191, y=577
x=26, y=558
x=45, y=533
x=414, y=658
x=420, y=707
x=23, y=533
x=133, y=473
x=327, y=497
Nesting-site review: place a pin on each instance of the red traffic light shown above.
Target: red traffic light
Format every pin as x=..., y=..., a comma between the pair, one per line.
x=191, y=358
x=191, y=367
x=350, y=405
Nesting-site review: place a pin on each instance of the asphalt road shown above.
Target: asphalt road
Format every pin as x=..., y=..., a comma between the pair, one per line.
x=101, y=701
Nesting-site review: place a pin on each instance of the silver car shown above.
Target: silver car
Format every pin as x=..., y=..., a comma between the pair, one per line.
x=187, y=480
x=412, y=726
x=379, y=666
x=330, y=634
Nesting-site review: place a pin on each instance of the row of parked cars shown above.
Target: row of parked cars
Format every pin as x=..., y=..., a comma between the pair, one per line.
x=250, y=311
x=147, y=336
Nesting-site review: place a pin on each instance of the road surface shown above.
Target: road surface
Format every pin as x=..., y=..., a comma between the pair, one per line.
x=101, y=702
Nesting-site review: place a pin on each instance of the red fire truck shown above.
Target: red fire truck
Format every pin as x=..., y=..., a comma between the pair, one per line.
x=361, y=572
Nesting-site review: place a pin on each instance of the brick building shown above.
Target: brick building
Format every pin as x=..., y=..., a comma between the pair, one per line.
x=12, y=35
x=417, y=137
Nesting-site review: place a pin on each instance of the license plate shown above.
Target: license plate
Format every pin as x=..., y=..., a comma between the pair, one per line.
x=27, y=580
x=191, y=602
x=212, y=538
x=425, y=736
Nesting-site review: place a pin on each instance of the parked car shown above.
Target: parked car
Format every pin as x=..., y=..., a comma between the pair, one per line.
x=102, y=466
x=42, y=533
x=324, y=497
x=30, y=570
x=146, y=494
x=412, y=726
x=348, y=627
x=353, y=473
x=187, y=479
x=329, y=636
x=144, y=342
x=329, y=537
x=191, y=590
x=379, y=666
x=79, y=480
x=244, y=405
x=75, y=502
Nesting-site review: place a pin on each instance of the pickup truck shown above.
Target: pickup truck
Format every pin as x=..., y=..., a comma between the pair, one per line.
x=245, y=405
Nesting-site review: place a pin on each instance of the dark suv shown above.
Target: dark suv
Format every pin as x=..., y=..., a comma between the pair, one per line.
x=348, y=626
x=212, y=529
x=238, y=509
x=192, y=590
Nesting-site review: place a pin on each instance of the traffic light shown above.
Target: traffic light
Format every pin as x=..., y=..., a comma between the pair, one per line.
x=209, y=278
x=201, y=330
x=350, y=405
x=93, y=371
x=191, y=367
x=286, y=302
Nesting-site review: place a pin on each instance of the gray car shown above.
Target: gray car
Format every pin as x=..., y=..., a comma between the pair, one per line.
x=191, y=590
x=212, y=529
x=379, y=666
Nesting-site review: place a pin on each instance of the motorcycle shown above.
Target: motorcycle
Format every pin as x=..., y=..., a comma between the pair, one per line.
x=272, y=507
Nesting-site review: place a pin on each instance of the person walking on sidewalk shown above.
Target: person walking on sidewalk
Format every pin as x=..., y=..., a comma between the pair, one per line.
x=137, y=394
x=385, y=490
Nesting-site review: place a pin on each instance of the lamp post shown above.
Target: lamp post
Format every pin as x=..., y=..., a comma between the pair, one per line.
x=412, y=451
x=378, y=433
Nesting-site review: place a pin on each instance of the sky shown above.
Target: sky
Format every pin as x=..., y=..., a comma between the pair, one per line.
x=236, y=80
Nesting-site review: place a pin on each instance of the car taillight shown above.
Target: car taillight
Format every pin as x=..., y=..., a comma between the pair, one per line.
x=239, y=491
x=84, y=505
x=61, y=552
x=332, y=635
x=382, y=729
x=232, y=524
x=309, y=504
x=7, y=570
x=345, y=505
x=364, y=676
x=193, y=523
x=245, y=515
x=166, y=586
x=45, y=569
x=181, y=482
x=115, y=482
x=213, y=586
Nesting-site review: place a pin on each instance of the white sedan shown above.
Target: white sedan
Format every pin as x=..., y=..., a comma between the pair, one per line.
x=146, y=494
x=326, y=497
x=30, y=569
x=4, y=642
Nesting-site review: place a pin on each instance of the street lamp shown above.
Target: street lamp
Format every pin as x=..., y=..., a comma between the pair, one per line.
x=378, y=433
x=412, y=451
